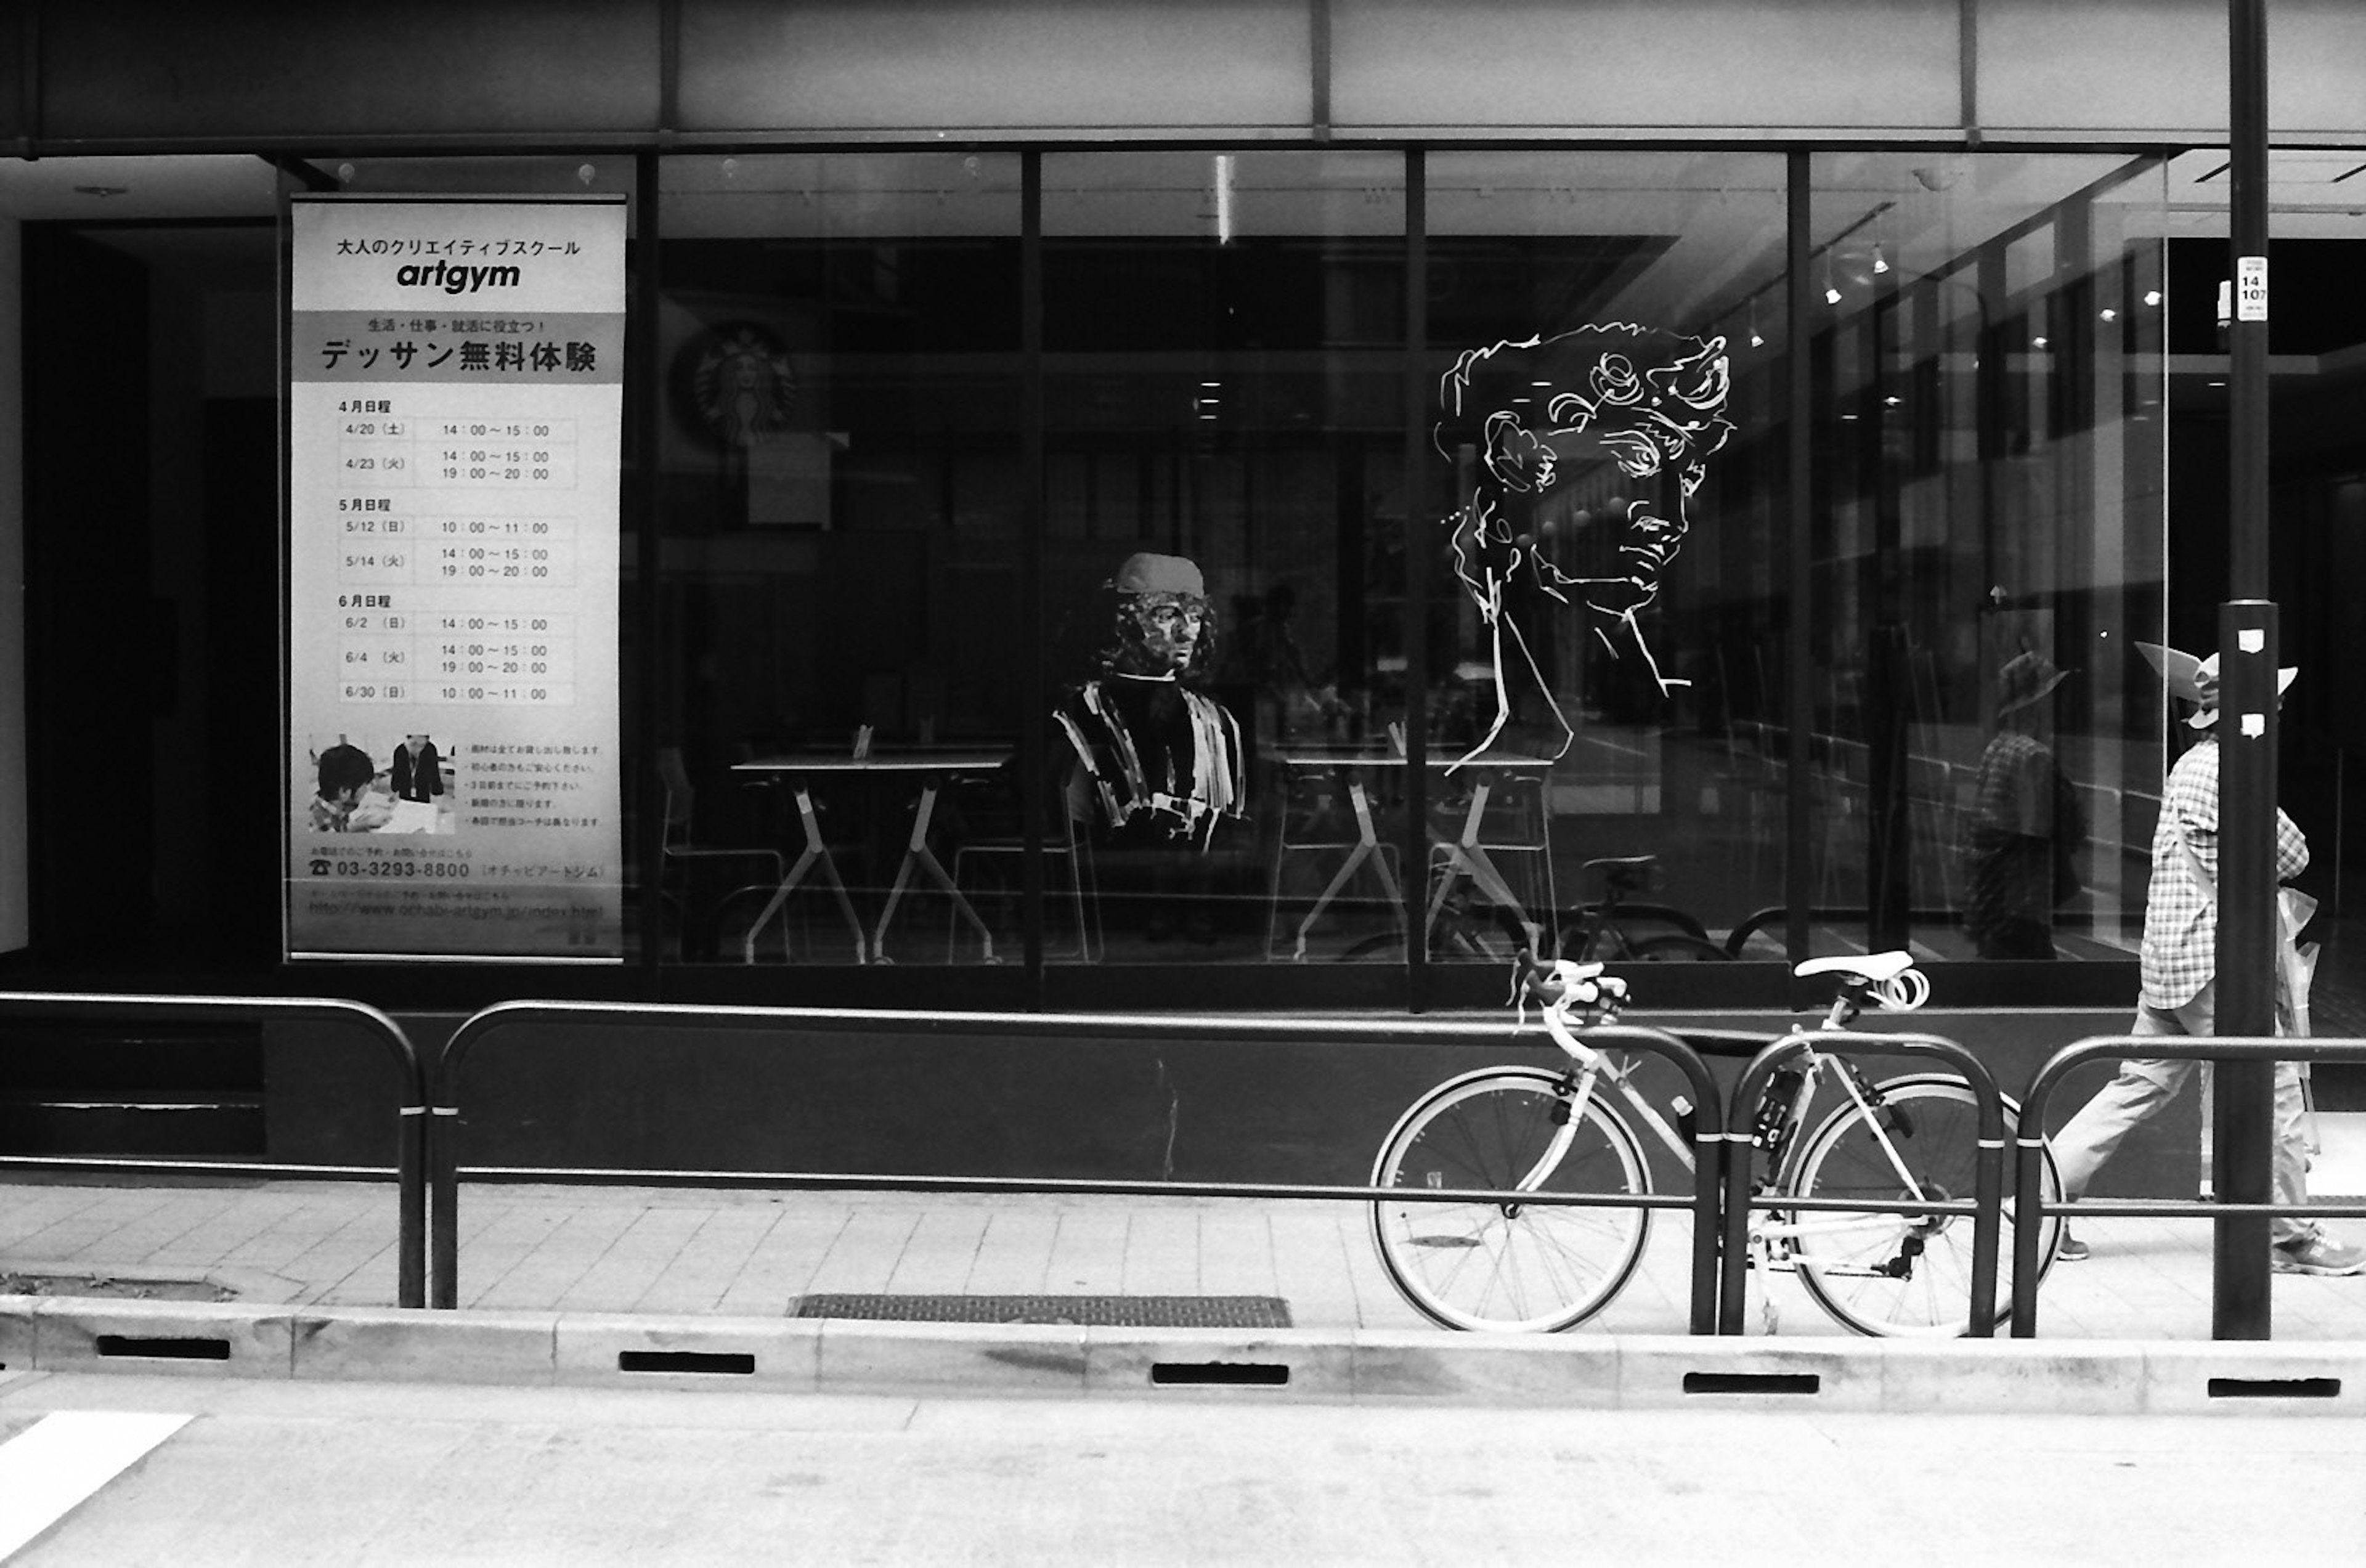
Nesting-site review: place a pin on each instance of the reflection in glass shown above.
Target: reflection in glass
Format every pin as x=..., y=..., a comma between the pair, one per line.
x=1988, y=391
x=1224, y=449
x=838, y=484
x=1603, y=682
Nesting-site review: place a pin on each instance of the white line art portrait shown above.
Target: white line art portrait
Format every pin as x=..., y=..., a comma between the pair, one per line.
x=1577, y=457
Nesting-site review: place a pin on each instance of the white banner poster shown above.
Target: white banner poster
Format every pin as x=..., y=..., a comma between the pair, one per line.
x=455, y=403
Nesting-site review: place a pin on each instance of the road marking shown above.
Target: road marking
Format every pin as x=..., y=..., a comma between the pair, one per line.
x=65, y=1457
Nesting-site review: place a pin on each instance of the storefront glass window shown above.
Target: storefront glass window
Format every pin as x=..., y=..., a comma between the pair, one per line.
x=840, y=495
x=1223, y=560
x=1988, y=373
x=1605, y=349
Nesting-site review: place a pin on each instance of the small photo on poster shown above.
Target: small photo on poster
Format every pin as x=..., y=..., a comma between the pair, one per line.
x=375, y=784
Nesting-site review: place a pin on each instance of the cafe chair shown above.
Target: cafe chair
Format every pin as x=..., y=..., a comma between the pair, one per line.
x=1067, y=873
x=684, y=855
x=1326, y=815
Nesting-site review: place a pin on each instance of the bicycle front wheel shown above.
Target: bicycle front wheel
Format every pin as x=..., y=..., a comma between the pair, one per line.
x=1508, y=1266
x=1903, y=1274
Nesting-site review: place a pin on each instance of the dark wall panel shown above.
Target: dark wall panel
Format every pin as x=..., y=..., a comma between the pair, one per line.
x=148, y=69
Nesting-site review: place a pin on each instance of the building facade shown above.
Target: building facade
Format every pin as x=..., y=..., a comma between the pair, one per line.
x=1263, y=489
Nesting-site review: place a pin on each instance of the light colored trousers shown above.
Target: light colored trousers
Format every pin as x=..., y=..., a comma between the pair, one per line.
x=2143, y=1091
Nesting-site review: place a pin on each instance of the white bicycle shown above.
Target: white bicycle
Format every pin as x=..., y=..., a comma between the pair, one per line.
x=1546, y=1267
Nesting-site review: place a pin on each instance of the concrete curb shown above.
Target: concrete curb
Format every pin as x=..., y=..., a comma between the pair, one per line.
x=845, y=1356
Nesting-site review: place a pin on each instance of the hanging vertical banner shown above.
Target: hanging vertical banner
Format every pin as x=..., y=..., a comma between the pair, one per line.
x=455, y=406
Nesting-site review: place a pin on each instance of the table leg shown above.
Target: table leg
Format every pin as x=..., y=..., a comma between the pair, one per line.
x=1366, y=847
x=1465, y=858
x=815, y=853
x=918, y=853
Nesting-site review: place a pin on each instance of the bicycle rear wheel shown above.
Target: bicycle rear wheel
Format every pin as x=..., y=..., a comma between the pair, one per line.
x=1533, y=1267
x=1903, y=1274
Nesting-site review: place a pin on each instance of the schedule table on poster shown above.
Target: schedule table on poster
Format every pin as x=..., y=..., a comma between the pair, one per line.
x=931, y=770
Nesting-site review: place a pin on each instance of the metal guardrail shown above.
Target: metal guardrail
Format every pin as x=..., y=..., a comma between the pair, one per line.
x=2027, y=1177
x=1985, y=1206
x=411, y=1243
x=444, y=1076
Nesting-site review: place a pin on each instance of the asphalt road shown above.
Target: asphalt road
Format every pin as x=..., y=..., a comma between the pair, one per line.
x=291, y=1473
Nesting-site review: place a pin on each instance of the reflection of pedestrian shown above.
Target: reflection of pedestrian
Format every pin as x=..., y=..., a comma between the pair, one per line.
x=342, y=805
x=2180, y=986
x=418, y=772
x=2021, y=852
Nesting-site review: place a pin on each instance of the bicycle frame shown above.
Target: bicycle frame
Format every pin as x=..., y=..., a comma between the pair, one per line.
x=1591, y=1066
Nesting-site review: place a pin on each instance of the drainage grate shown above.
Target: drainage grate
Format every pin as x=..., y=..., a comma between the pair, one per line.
x=165, y=1286
x=1124, y=1311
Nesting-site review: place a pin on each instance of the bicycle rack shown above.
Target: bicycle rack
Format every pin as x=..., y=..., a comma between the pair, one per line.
x=411, y=1186
x=1985, y=1207
x=2028, y=1166
x=443, y=1081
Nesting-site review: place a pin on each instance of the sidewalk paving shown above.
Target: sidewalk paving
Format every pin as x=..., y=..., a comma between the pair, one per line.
x=747, y=1253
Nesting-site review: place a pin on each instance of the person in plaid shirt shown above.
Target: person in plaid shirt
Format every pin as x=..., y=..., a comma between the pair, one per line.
x=2180, y=939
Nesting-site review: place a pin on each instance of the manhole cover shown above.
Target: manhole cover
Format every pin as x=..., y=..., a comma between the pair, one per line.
x=118, y=1287
x=1124, y=1311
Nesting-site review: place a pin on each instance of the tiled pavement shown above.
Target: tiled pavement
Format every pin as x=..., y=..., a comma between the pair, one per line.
x=742, y=1253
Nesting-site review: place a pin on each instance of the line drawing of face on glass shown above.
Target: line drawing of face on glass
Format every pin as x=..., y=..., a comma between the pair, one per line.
x=1577, y=457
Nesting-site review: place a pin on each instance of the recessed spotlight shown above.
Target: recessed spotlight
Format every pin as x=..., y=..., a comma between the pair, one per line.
x=2152, y=295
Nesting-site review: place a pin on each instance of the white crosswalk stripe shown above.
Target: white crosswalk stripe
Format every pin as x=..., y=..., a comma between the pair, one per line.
x=52, y=1465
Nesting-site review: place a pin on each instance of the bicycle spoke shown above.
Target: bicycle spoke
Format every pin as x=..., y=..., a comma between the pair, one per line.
x=1522, y=1265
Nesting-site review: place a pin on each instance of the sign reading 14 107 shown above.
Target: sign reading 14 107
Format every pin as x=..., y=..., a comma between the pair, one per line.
x=2251, y=288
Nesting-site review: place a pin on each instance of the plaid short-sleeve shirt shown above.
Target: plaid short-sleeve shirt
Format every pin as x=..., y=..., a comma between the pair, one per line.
x=2180, y=938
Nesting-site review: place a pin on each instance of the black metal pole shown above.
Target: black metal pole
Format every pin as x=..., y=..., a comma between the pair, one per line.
x=1418, y=530
x=2244, y=1128
x=1034, y=727
x=1799, y=534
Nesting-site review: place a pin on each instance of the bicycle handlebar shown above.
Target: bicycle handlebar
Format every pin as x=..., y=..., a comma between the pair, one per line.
x=1564, y=983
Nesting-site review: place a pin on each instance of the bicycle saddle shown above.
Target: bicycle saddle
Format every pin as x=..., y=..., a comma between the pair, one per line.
x=1624, y=872
x=1875, y=967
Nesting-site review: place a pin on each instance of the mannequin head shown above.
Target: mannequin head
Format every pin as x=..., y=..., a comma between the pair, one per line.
x=1164, y=624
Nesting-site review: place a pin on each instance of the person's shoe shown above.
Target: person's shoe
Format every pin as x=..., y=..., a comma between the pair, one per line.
x=2069, y=1249
x=2318, y=1253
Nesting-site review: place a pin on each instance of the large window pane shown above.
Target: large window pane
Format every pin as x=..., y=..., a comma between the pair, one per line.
x=1604, y=677
x=840, y=495
x=1224, y=443
x=1988, y=376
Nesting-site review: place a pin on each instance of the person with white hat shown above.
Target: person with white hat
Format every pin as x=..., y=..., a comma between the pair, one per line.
x=2179, y=957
